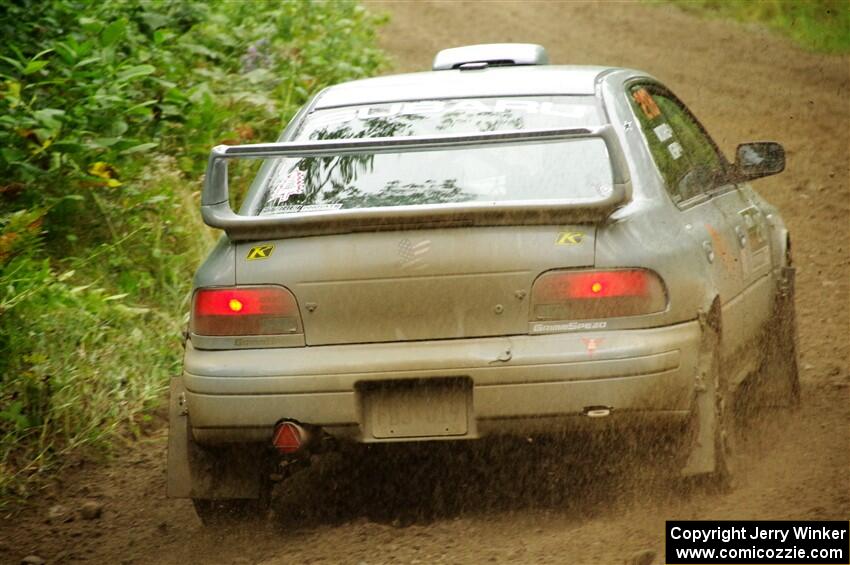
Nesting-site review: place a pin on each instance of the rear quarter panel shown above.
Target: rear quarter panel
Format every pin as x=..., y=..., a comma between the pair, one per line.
x=654, y=238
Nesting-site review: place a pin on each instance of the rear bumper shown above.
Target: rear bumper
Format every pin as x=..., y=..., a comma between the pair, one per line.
x=518, y=384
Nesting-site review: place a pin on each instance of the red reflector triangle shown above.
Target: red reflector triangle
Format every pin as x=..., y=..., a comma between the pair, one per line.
x=287, y=438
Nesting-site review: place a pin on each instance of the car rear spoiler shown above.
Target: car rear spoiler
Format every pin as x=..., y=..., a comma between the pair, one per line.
x=217, y=213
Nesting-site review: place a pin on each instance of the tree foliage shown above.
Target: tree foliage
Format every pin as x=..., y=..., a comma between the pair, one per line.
x=107, y=113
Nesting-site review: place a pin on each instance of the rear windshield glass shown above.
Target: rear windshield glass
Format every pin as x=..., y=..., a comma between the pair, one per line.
x=572, y=169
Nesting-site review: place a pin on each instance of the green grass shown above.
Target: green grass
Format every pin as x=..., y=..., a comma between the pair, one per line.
x=107, y=114
x=819, y=25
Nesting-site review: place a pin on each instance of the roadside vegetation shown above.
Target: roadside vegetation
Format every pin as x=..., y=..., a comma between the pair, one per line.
x=819, y=25
x=107, y=114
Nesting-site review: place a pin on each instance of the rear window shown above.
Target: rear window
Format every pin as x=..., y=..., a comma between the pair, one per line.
x=571, y=169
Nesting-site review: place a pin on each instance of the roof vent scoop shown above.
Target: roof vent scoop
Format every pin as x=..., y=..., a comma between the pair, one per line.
x=490, y=55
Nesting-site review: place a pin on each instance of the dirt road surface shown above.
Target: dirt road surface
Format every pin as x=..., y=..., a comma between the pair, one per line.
x=545, y=503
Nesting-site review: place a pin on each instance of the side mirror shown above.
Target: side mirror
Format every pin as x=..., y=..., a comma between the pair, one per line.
x=759, y=159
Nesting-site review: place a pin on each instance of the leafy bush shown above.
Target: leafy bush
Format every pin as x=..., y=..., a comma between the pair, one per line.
x=107, y=114
x=82, y=366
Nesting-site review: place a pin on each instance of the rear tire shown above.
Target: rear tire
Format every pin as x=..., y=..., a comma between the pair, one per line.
x=776, y=383
x=231, y=483
x=779, y=377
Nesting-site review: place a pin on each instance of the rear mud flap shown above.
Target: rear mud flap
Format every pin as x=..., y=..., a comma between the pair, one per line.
x=179, y=476
x=702, y=458
x=194, y=471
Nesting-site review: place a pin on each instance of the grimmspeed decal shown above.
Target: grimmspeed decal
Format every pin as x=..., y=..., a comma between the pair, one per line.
x=568, y=327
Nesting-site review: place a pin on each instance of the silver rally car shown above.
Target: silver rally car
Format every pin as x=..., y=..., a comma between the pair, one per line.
x=499, y=246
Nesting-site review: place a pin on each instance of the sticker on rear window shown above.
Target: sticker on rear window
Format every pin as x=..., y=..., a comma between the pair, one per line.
x=663, y=132
x=291, y=208
x=675, y=150
x=283, y=187
x=647, y=103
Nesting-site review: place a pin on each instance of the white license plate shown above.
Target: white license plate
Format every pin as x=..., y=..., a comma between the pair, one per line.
x=417, y=409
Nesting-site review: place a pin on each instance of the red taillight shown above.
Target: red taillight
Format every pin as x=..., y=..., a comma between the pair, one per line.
x=264, y=310
x=582, y=295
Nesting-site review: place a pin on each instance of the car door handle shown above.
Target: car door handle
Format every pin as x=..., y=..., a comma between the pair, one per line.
x=742, y=237
x=709, y=251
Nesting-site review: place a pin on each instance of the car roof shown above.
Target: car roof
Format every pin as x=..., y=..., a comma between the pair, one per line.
x=526, y=80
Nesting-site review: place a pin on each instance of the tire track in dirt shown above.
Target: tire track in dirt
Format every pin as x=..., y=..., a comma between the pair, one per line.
x=547, y=503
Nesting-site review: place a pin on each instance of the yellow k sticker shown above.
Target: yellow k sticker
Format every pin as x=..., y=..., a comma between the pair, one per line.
x=569, y=238
x=260, y=252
